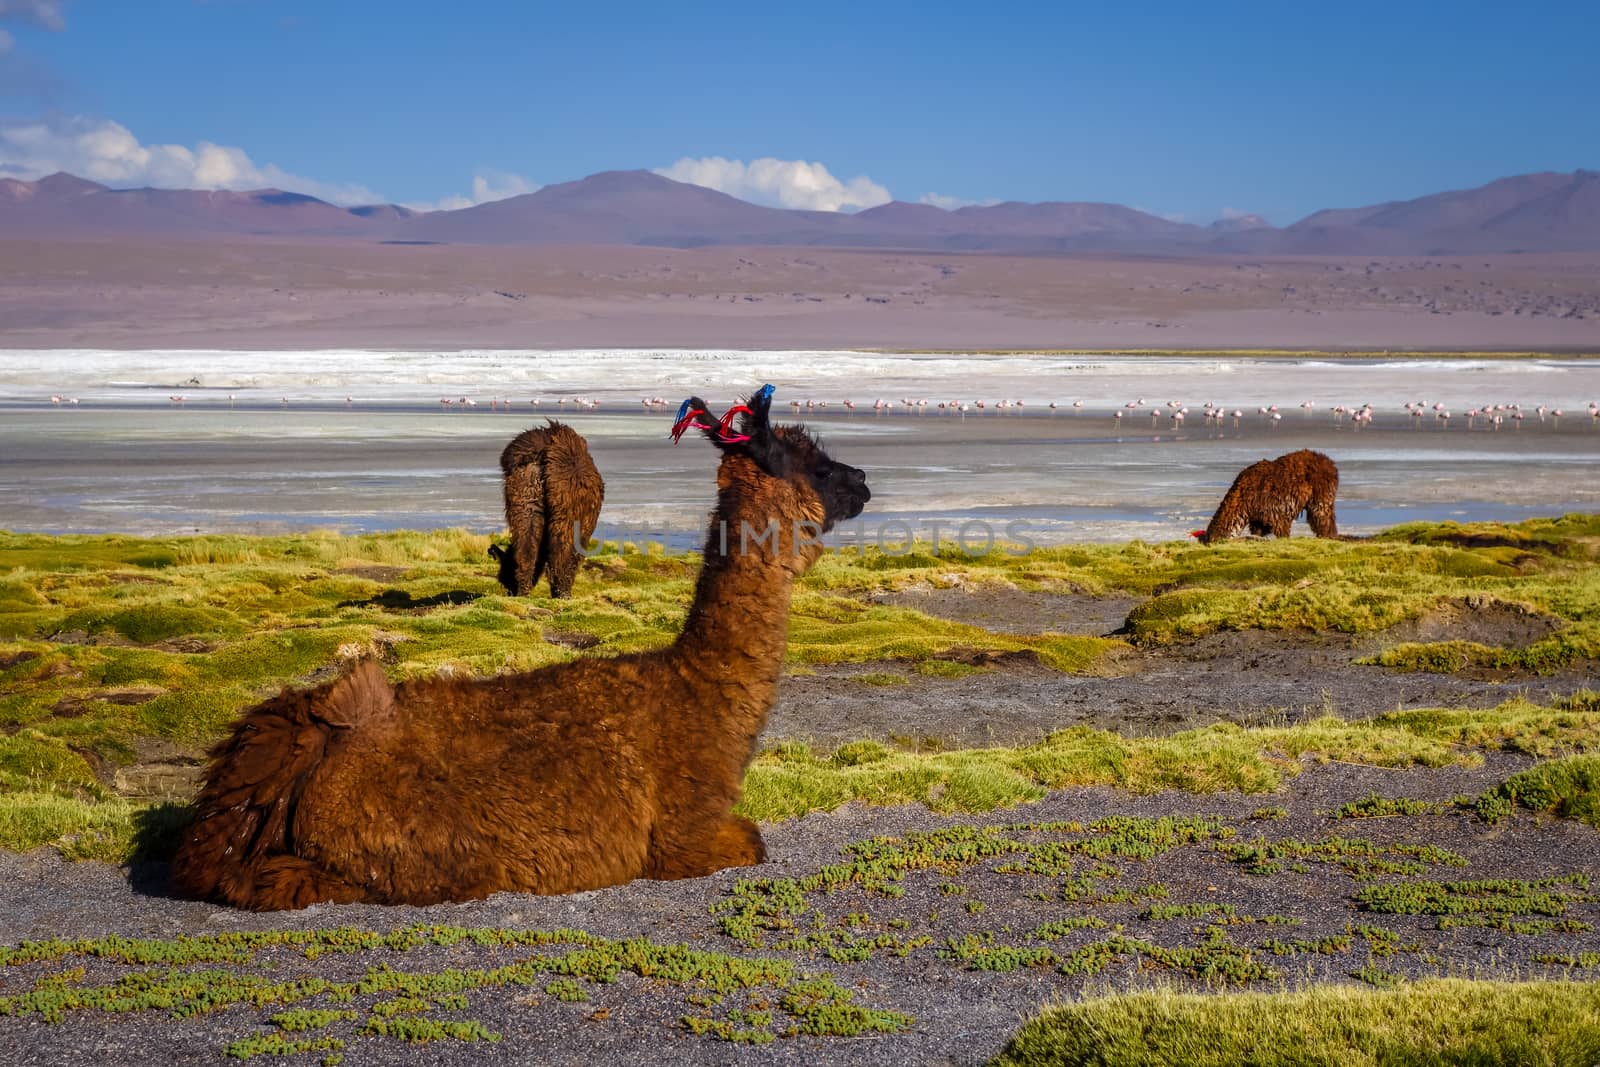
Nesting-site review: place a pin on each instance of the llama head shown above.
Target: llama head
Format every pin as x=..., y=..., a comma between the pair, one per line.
x=508, y=568
x=785, y=467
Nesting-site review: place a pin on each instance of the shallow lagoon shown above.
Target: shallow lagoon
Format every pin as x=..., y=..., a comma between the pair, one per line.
x=287, y=451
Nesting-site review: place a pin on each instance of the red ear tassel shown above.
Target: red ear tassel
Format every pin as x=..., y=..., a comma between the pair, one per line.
x=685, y=420
x=725, y=427
x=1197, y=533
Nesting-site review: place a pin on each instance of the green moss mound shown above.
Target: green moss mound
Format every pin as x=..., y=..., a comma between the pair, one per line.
x=1441, y=1021
x=1567, y=787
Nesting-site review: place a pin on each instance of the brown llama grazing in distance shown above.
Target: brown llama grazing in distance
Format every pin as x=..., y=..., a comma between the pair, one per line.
x=553, y=498
x=1269, y=495
x=576, y=776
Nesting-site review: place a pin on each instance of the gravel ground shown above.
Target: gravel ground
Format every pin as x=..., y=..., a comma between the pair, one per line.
x=1252, y=677
x=960, y=1014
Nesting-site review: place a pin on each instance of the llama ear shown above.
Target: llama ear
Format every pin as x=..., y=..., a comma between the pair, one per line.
x=756, y=427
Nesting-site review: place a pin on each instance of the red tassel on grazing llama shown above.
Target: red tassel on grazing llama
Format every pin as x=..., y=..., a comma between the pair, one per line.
x=1269, y=495
x=576, y=776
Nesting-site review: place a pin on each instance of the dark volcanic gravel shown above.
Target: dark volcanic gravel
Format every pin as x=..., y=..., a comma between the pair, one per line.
x=961, y=1015
x=1251, y=677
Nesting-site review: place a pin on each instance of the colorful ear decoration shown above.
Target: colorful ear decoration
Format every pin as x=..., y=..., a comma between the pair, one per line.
x=725, y=428
x=724, y=431
x=1197, y=533
x=687, y=414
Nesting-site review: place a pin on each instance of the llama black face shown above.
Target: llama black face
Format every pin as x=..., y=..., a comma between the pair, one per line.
x=508, y=568
x=843, y=490
x=841, y=487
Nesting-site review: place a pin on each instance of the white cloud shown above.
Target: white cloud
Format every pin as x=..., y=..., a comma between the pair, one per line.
x=790, y=183
x=486, y=186
x=46, y=14
x=950, y=203
x=108, y=152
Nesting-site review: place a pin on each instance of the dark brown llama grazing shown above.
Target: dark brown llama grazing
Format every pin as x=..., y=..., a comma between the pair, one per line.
x=1269, y=495
x=553, y=498
x=576, y=776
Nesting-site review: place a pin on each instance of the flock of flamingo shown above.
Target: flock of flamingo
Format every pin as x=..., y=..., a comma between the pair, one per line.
x=1174, y=411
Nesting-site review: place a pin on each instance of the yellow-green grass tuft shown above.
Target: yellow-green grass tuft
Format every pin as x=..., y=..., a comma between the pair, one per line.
x=792, y=780
x=1438, y=1021
x=1568, y=787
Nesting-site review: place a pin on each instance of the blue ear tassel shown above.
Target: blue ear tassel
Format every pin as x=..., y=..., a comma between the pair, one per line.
x=764, y=393
x=683, y=409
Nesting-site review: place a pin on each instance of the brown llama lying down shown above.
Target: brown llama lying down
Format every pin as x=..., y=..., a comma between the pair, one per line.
x=553, y=498
x=1269, y=495
x=576, y=776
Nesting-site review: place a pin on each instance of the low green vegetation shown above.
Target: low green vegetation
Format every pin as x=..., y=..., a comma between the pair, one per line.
x=1373, y=806
x=792, y=780
x=1544, y=566
x=1356, y=856
x=1438, y=1021
x=187, y=977
x=1567, y=787
x=116, y=652
x=1511, y=904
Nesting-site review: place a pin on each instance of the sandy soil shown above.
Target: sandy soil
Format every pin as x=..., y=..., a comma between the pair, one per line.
x=141, y=294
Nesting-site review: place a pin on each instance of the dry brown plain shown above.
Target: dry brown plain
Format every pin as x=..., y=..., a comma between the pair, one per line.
x=272, y=295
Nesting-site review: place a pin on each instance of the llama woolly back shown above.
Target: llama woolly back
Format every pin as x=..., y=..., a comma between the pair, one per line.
x=1269, y=495
x=553, y=497
x=576, y=776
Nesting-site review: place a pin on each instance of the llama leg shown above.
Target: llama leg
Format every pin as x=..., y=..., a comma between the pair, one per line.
x=1320, y=515
x=563, y=570
x=525, y=517
x=735, y=842
x=290, y=882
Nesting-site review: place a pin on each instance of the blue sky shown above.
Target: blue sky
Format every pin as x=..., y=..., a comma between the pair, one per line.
x=1184, y=110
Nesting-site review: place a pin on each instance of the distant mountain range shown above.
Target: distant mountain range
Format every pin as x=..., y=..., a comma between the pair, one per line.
x=1528, y=213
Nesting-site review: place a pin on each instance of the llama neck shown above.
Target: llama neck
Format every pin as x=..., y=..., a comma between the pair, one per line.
x=734, y=639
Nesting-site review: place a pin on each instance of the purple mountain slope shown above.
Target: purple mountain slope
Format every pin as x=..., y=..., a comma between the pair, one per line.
x=1530, y=212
